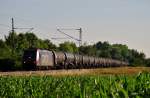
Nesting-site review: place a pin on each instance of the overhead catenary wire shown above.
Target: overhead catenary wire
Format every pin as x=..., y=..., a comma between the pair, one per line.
x=68, y=35
x=4, y=25
x=14, y=28
x=60, y=38
x=30, y=29
x=80, y=34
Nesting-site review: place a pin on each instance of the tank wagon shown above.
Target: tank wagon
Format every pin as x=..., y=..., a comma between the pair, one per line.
x=45, y=59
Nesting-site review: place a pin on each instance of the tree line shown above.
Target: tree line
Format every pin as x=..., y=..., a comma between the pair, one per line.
x=12, y=47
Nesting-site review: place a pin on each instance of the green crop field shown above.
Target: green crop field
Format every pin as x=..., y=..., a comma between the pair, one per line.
x=110, y=86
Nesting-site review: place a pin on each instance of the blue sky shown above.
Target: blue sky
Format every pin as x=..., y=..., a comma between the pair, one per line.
x=117, y=21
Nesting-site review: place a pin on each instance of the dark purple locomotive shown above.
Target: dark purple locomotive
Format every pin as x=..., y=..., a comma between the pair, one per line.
x=45, y=59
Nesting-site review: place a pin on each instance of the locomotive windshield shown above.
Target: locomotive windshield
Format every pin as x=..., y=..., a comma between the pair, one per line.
x=29, y=54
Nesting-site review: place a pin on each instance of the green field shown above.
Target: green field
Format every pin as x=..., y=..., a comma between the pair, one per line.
x=111, y=86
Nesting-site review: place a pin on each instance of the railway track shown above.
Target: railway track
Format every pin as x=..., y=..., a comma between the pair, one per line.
x=76, y=72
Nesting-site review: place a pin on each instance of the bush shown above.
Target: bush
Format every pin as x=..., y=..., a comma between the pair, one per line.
x=7, y=64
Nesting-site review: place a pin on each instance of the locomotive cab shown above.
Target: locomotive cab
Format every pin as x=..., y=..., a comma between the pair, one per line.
x=38, y=59
x=29, y=59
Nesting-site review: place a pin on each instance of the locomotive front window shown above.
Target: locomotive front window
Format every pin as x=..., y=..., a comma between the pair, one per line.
x=29, y=54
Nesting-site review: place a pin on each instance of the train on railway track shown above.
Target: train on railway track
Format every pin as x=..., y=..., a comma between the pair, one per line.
x=37, y=59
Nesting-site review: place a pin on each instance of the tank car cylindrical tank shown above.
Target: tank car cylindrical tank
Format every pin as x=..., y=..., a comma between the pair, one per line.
x=108, y=62
x=78, y=60
x=97, y=63
x=92, y=61
x=59, y=59
x=102, y=62
x=85, y=61
x=70, y=60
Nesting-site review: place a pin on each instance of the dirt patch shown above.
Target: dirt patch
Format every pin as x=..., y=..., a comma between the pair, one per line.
x=76, y=72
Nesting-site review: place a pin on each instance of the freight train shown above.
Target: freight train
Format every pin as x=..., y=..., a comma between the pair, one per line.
x=36, y=59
